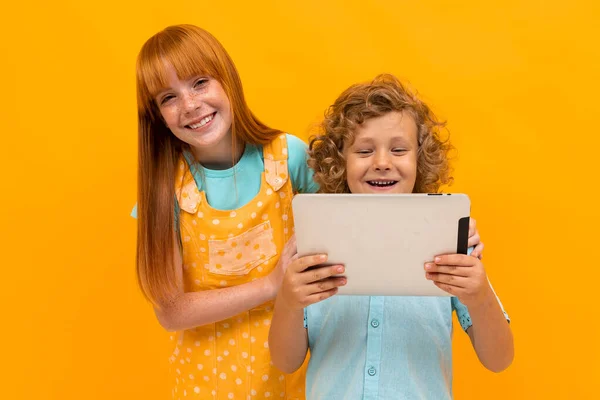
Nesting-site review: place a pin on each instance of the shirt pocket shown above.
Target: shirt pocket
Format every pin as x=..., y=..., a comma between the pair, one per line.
x=241, y=254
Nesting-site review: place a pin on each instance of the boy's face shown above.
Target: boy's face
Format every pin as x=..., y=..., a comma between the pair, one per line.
x=383, y=157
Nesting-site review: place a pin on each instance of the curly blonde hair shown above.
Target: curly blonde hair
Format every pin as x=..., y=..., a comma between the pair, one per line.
x=364, y=101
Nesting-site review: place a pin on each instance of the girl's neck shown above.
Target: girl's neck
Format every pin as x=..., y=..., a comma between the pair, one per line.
x=222, y=156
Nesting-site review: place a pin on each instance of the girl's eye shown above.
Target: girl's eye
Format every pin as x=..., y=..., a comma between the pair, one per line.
x=200, y=82
x=399, y=150
x=363, y=151
x=165, y=99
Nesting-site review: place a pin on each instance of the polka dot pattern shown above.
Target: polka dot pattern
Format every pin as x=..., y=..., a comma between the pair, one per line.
x=230, y=359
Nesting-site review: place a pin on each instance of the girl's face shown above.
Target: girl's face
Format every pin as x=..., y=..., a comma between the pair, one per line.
x=383, y=157
x=198, y=112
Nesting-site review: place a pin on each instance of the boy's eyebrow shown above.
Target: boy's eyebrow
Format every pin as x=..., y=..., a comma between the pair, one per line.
x=400, y=139
x=362, y=140
x=368, y=140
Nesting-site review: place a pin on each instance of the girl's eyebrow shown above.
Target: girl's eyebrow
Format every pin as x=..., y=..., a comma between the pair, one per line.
x=162, y=93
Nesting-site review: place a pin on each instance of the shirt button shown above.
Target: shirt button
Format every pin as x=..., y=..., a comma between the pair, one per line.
x=372, y=371
x=375, y=323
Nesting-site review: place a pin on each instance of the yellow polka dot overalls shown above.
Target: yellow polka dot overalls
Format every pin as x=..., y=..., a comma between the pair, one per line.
x=230, y=359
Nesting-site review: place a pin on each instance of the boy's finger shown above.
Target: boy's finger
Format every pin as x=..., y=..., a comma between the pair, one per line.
x=474, y=240
x=448, y=279
x=326, y=284
x=303, y=263
x=315, y=298
x=472, y=226
x=320, y=273
x=453, y=290
x=461, y=260
x=447, y=269
x=478, y=251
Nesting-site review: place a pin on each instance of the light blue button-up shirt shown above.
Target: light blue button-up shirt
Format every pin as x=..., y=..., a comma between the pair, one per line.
x=379, y=347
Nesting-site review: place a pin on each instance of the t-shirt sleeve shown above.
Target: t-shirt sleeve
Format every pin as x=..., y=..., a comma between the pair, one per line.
x=300, y=173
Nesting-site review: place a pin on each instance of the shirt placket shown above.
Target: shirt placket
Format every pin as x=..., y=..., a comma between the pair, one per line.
x=373, y=359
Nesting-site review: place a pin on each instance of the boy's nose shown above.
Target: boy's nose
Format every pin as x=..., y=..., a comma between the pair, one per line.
x=382, y=162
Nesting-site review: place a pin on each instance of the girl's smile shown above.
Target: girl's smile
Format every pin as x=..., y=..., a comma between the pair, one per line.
x=198, y=112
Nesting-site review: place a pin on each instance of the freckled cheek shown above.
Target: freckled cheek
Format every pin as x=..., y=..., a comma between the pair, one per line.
x=171, y=118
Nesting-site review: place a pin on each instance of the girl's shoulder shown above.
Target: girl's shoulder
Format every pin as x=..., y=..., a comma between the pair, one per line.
x=295, y=148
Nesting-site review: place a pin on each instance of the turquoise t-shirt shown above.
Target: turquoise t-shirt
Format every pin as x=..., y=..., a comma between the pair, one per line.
x=232, y=188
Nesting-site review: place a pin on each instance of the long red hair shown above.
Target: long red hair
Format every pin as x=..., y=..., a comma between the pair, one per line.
x=191, y=51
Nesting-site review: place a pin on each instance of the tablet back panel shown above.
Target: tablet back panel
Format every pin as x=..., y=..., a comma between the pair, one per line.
x=383, y=240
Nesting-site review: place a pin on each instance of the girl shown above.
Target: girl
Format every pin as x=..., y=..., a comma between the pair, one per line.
x=215, y=188
x=380, y=138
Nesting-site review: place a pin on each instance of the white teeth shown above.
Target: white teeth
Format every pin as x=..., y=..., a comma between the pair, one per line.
x=382, y=183
x=203, y=122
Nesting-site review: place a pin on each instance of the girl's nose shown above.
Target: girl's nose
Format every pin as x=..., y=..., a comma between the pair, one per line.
x=190, y=103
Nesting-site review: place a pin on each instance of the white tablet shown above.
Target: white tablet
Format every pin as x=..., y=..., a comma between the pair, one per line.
x=383, y=240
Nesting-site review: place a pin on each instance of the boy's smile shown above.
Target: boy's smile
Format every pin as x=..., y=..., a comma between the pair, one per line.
x=383, y=157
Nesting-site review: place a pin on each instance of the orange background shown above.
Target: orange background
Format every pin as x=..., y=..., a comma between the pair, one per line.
x=518, y=83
